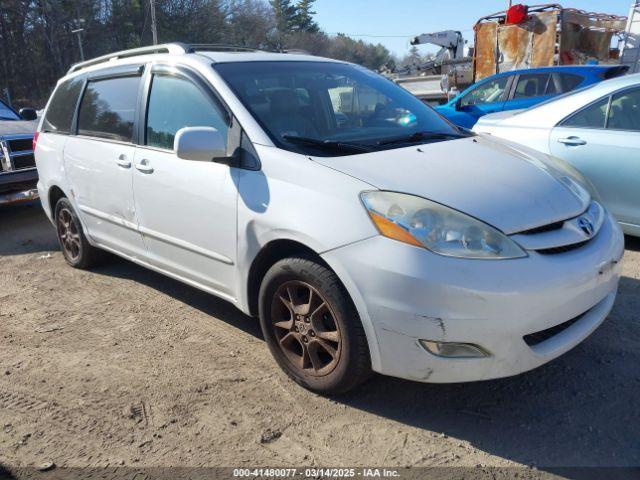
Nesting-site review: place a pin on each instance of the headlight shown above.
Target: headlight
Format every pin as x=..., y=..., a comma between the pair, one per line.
x=423, y=223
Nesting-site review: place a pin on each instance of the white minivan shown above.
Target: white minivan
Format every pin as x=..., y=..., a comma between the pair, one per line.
x=364, y=230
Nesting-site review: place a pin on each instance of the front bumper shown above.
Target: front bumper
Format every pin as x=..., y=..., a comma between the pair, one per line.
x=18, y=186
x=408, y=293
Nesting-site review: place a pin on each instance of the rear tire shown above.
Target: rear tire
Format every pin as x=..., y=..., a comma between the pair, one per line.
x=74, y=244
x=312, y=327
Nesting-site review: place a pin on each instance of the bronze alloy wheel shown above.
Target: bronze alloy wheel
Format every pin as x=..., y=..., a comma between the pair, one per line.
x=306, y=328
x=69, y=235
x=312, y=327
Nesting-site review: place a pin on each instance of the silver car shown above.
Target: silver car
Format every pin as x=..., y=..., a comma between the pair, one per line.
x=597, y=130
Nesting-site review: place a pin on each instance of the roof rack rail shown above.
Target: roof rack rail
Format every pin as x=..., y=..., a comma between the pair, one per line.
x=171, y=48
x=219, y=47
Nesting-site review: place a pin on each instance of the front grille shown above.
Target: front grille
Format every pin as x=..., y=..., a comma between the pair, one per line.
x=563, y=249
x=545, y=228
x=24, y=161
x=563, y=237
x=537, y=338
x=20, y=144
x=16, y=153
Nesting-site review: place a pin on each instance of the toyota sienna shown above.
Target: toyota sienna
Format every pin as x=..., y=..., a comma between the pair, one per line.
x=365, y=231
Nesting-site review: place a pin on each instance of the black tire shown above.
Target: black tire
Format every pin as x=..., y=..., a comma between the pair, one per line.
x=332, y=367
x=77, y=252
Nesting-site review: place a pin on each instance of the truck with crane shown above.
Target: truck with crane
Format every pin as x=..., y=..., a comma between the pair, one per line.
x=430, y=80
x=518, y=38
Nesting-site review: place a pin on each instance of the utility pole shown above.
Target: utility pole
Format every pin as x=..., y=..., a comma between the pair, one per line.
x=78, y=31
x=154, y=29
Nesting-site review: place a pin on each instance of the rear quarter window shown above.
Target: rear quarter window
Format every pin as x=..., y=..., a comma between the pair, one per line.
x=614, y=72
x=59, y=115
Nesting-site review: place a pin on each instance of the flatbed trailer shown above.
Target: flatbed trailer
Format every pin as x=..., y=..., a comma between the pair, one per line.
x=548, y=35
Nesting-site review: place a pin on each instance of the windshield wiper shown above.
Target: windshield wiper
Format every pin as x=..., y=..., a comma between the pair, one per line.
x=418, y=136
x=327, y=144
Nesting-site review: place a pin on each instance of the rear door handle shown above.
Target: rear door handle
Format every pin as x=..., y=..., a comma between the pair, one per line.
x=144, y=166
x=123, y=161
x=572, y=141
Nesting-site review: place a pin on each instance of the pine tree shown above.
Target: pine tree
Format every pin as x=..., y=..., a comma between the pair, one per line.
x=285, y=15
x=304, y=17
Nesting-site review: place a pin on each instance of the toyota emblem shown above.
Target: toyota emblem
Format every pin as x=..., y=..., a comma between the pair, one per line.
x=586, y=225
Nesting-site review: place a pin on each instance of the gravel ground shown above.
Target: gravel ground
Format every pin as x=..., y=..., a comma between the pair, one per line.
x=122, y=366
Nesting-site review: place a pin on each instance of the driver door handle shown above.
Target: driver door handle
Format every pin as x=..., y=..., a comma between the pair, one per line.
x=572, y=141
x=144, y=166
x=123, y=162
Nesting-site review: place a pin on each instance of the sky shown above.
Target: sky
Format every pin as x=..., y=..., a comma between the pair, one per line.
x=394, y=22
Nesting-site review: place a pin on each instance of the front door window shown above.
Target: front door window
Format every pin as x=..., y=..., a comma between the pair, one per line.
x=489, y=92
x=175, y=103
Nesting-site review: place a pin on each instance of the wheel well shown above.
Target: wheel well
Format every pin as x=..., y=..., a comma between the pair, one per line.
x=55, y=194
x=270, y=254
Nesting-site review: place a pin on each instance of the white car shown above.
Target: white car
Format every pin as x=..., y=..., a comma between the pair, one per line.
x=365, y=231
x=596, y=130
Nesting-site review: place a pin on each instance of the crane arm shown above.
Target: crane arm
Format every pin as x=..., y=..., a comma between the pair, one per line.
x=447, y=39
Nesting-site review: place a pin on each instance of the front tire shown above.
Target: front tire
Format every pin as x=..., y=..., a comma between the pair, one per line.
x=312, y=327
x=74, y=244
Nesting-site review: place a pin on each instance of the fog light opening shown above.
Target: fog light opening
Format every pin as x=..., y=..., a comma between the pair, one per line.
x=454, y=349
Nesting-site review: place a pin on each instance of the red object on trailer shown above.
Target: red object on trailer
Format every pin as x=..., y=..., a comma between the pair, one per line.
x=517, y=14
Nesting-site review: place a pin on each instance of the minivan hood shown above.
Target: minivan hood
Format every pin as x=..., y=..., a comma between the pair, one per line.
x=507, y=187
x=17, y=127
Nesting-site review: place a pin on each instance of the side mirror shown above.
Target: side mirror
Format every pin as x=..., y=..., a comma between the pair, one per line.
x=28, y=114
x=204, y=144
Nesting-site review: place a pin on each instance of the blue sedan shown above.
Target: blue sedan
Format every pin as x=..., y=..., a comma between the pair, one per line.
x=519, y=89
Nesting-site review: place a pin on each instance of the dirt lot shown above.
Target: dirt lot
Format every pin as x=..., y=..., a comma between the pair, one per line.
x=121, y=366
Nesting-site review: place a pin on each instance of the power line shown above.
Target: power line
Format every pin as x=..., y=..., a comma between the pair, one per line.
x=368, y=35
x=373, y=35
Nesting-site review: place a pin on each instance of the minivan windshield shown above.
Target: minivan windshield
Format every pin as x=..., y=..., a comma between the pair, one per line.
x=332, y=109
x=7, y=113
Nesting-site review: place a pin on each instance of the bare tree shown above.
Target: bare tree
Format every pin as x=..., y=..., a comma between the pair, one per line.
x=37, y=46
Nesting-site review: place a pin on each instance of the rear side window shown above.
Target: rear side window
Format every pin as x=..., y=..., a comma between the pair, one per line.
x=531, y=85
x=108, y=108
x=593, y=116
x=570, y=81
x=175, y=103
x=62, y=107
